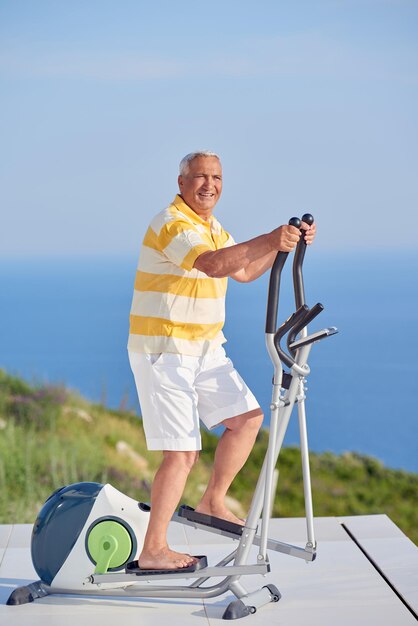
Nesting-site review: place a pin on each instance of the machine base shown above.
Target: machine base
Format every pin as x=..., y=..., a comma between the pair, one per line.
x=29, y=593
x=249, y=604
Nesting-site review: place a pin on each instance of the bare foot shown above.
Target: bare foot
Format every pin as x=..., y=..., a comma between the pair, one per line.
x=221, y=512
x=165, y=559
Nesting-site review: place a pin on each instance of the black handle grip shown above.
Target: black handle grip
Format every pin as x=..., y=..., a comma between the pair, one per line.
x=274, y=284
x=274, y=289
x=298, y=262
x=275, y=276
x=308, y=219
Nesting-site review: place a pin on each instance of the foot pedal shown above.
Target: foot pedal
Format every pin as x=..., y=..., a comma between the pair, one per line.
x=133, y=568
x=209, y=520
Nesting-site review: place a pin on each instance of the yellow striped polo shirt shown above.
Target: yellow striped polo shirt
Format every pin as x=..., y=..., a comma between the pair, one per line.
x=175, y=307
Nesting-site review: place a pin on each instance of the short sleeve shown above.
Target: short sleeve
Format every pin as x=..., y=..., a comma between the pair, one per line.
x=182, y=244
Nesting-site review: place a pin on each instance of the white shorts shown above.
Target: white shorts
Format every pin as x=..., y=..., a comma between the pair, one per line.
x=177, y=390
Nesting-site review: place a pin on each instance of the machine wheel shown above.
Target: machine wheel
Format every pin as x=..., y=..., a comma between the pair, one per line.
x=109, y=544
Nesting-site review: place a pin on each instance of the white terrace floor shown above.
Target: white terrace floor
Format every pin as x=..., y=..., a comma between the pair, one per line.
x=369, y=578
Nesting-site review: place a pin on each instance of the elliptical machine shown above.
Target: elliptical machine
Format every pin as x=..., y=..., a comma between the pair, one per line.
x=87, y=536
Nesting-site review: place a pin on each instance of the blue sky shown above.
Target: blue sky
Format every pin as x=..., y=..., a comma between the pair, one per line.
x=311, y=105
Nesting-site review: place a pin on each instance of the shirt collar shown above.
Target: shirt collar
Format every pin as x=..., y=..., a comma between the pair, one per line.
x=184, y=208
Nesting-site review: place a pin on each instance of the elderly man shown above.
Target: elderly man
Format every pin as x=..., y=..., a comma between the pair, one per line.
x=175, y=347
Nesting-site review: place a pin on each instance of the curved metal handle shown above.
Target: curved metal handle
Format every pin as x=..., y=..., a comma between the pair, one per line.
x=303, y=315
x=274, y=284
x=294, y=319
x=295, y=330
x=298, y=285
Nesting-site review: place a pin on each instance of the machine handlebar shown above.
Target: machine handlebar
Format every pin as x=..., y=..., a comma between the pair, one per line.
x=298, y=262
x=274, y=289
x=303, y=314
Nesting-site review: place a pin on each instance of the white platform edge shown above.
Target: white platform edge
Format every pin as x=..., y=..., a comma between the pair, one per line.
x=393, y=554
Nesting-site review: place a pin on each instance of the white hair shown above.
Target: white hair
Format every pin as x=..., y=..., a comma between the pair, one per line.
x=185, y=162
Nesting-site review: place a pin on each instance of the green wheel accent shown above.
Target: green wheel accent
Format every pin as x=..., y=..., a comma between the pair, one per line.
x=109, y=545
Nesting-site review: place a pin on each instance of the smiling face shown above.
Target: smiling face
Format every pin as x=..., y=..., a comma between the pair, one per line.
x=201, y=186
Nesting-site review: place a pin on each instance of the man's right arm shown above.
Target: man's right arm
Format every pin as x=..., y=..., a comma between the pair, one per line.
x=248, y=260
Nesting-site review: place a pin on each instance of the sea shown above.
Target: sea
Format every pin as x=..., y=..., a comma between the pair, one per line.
x=65, y=321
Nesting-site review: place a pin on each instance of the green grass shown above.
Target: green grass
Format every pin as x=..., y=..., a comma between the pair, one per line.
x=50, y=437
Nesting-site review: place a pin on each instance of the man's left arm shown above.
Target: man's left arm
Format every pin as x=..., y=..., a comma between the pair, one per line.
x=259, y=266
